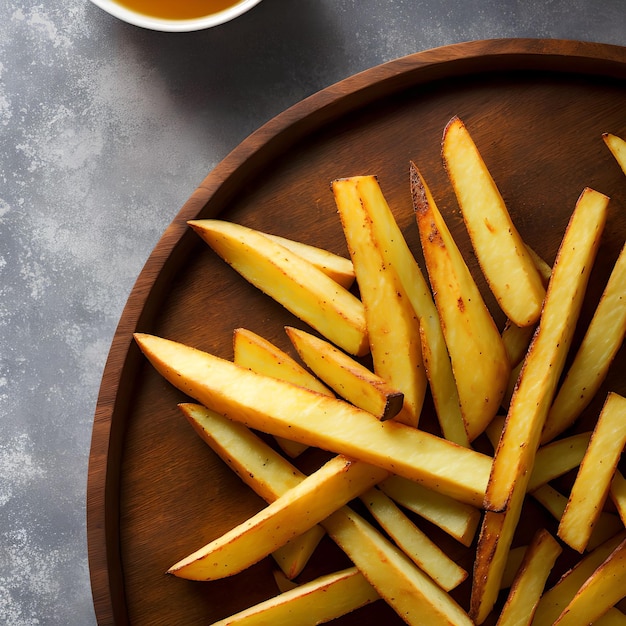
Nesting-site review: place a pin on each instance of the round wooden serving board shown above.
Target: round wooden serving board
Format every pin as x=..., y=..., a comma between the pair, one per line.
x=536, y=109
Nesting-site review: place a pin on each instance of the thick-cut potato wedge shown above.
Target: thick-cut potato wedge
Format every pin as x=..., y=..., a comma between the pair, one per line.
x=544, y=363
x=347, y=377
x=618, y=494
x=280, y=408
x=617, y=146
x=434, y=351
x=297, y=284
x=515, y=455
x=333, y=265
x=602, y=340
x=593, y=480
x=414, y=596
x=457, y=519
x=503, y=257
x=412, y=541
x=560, y=595
x=479, y=361
x=261, y=468
x=262, y=356
x=292, y=513
x=601, y=591
x=392, y=324
x=530, y=580
x=316, y=602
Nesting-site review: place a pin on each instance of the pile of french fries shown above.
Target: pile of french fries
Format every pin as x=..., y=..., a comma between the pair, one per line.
x=431, y=334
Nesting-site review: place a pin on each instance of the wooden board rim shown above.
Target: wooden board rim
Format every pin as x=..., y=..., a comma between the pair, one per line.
x=211, y=196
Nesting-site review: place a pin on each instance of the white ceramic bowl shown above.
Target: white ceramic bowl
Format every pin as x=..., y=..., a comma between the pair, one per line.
x=155, y=23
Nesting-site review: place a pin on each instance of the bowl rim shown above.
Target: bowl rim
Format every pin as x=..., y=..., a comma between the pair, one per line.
x=168, y=25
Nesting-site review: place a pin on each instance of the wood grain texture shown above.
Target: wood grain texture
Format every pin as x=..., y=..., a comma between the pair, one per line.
x=536, y=109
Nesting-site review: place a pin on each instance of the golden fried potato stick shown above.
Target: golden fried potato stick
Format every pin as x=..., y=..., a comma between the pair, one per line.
x=456, y=518
x=617, y=146
x=618, y=494
x=261, y=468
x=392, y=324
x=595, y=474
x=602, y=340
x=292, y=513
x=347, y=377
x=502, y=254
x=412, y=541
x=468, y=327
x=294, y=282
x=515, y=455
x=333, y=265
x=530, y=580
x=280, y=408
x=316, y=602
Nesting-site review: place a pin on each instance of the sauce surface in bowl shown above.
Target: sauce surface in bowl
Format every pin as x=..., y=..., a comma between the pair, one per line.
x=173, y=10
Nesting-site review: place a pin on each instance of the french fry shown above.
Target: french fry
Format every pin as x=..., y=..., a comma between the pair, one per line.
x=317, y=602
x=457, y=519
x=503, y=257
x=261, y=468
x=434, y=351
x=262, y=356
x=618, y=494
x=413, y=542
x=469, y=330
x=530, y=580
x=348, y=378
x=292, y=513
x=515, y=455
x=413, y=594
x=554, y=601
x=280, y=408
x=392, y=324
x=514, y=560
x=602, y=340
x=617, y=146
x=297, y=284
x=557, y=458
x=333, y=265
x=601, y=591
x=596, y=471
x=607, y=526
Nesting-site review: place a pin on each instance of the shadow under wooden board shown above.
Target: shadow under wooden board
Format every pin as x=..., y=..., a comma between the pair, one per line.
x=536, y=109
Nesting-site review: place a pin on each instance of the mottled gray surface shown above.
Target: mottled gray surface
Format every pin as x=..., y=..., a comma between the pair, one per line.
x=105, y=129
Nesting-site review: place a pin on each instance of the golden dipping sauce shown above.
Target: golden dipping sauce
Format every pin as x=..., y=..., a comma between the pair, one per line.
x=177, y=9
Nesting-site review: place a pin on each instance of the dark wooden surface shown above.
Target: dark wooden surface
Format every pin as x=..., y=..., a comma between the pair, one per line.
x=536, y=109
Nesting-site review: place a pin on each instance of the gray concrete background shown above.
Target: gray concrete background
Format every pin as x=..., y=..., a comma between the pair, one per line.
x=105, y=129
